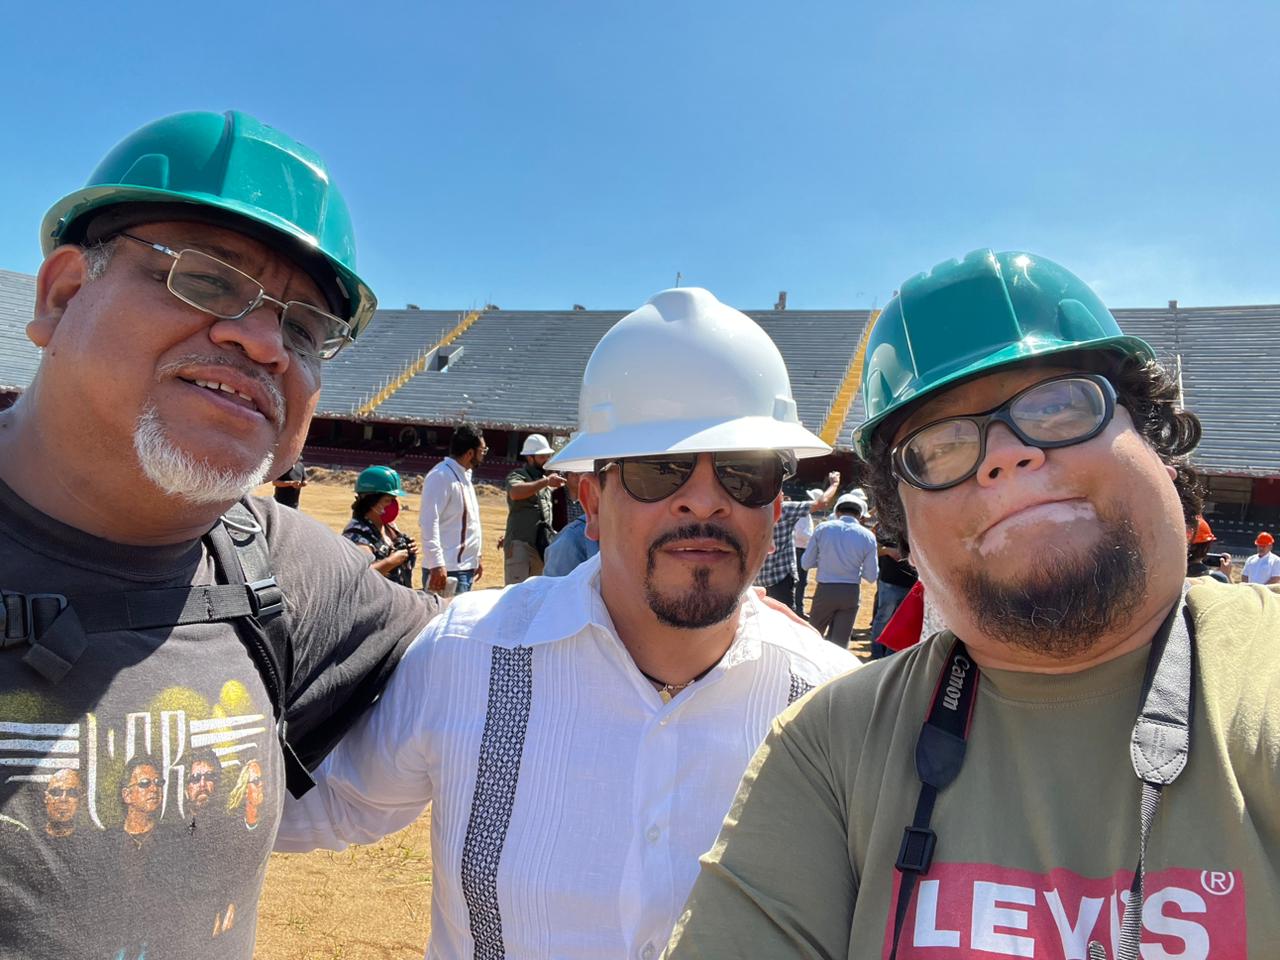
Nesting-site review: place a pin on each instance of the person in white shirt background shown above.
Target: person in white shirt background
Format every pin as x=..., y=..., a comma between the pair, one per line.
x=450, y=515
x=581, y=737
x=843, y=552
x=801, y=535
x=1263, y=566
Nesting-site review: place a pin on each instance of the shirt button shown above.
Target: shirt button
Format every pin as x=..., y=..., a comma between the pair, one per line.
x=652, y=834
x=648, y=952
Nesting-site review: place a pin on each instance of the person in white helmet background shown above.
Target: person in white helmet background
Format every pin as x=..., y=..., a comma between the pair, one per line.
x=529, y=526
x=581, y=737
x=842, y=552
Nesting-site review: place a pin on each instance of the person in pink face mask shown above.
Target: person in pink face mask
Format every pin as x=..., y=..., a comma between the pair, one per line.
x=372, y=525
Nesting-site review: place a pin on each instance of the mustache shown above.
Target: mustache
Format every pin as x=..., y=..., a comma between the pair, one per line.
x=697, y=531
x=274, y=396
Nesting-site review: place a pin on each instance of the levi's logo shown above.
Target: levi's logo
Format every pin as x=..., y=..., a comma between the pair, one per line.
x=966, y=910
x=951, y=693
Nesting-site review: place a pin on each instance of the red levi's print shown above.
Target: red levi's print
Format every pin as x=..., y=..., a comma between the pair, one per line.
x=977, y=910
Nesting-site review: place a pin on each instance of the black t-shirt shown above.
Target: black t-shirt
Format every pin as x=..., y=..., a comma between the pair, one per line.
x=104, y=851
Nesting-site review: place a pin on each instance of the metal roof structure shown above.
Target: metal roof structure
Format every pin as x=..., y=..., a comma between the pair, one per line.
x=521, y=369
x=19, y=357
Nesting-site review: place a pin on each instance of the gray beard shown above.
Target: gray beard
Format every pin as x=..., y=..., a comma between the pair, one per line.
x=179, y=474
x=1063, y=604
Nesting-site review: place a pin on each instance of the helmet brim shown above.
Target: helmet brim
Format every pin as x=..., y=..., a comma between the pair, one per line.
x=688, y=436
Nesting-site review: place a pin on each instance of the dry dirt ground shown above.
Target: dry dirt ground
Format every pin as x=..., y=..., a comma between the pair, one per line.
x=374, y=902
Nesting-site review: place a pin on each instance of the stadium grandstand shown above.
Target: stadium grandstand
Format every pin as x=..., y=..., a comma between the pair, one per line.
x=394, y=395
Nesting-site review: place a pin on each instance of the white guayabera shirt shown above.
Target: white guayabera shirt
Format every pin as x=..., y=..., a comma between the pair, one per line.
x=570, y=803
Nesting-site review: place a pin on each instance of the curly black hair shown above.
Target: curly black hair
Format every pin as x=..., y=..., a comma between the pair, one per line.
x=1143, y=387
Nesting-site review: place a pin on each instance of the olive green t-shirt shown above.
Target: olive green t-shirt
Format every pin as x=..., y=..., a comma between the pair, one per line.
x=1037, y=837
x=523, y=516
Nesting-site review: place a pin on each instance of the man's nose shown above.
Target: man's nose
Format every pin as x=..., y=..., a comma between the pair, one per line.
x=1005, y=455
x=702, y=495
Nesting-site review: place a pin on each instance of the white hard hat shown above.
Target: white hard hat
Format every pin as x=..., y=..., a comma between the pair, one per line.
x=815, y=492
x=685, y=374
x=849, y=498
x=535, y=444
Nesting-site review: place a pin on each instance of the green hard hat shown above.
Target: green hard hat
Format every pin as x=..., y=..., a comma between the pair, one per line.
x=379, y=480
x=228, y=169
x=973, y=316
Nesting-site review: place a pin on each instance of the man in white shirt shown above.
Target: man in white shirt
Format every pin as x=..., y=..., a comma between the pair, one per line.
x=581, y=737
x=1263, y=566
x=844, y=553
x=450, y=515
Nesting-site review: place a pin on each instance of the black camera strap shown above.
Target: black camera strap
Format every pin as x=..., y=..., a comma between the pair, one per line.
x=939, y=757
x=1159, y=748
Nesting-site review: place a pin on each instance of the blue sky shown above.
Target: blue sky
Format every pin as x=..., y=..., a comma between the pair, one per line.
x=537, y=155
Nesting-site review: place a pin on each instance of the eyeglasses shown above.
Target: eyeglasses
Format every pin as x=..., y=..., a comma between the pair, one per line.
x=146, y=783
x=1058, y=412
x=752, y=479
x=202, y=778
x=219, y=289
x=57, y=793
x=254, y=781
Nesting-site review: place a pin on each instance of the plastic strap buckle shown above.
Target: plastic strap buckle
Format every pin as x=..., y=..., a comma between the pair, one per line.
x=265, y=598
x=18, y=615
x=916, y=853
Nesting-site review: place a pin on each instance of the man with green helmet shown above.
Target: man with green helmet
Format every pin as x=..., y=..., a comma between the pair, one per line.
x=190, y=294
x=1037, y=458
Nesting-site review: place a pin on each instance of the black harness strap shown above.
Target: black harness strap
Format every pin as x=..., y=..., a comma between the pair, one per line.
x=241, y=554
x=55, y=627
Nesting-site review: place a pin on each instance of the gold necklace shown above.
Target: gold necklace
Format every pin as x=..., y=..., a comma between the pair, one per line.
x=669, y=691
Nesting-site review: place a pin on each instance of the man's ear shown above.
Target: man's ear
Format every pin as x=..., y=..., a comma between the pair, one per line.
x=589, y=497
x=61, y=276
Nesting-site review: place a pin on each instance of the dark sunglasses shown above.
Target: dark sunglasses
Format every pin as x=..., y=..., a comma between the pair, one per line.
x=57, y=793
x=202, y=778
x=753, y=479
x=1058, y=412
x=146, y=783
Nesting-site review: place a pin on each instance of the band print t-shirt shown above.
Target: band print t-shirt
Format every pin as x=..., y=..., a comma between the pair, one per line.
x=141, y=794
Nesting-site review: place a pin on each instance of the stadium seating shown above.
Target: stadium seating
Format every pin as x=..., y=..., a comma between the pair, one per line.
x=393, y=340
x=522, y=369
x=1229, y=367
x=19, y=357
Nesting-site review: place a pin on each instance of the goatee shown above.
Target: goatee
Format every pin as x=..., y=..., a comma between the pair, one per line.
x=1064, y=603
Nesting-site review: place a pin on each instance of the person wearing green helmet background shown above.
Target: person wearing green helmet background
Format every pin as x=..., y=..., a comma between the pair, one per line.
x=372, y=524
x=1037, y=458
x=190, y=294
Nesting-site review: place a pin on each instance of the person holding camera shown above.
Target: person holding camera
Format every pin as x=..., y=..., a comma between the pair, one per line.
x=371, y=526
x=1200, y=562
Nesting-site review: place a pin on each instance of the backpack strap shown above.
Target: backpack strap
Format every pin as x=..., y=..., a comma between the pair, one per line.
x=55, y=627
x=243, y=559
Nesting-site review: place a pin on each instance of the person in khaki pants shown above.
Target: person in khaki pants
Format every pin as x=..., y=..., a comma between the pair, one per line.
x=842, y=552
x=529, y=511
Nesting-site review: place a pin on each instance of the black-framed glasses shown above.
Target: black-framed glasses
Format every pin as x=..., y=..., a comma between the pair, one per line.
x=752, y=478
x=219, y=289
x=202, y=778
x=1053, y=413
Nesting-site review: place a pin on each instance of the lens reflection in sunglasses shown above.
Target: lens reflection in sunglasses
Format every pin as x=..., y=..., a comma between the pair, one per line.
x=753, y=480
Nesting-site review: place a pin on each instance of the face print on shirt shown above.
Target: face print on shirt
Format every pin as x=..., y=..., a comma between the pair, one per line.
x=140, y=817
